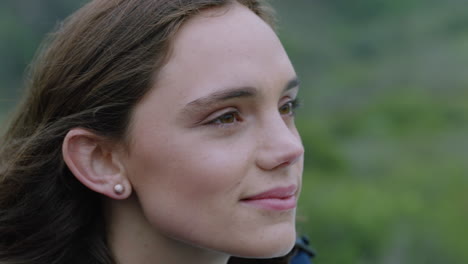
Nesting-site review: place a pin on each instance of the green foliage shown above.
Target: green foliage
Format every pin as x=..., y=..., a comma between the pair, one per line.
x=385, y=125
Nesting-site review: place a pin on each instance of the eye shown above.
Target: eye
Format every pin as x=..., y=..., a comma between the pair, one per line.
x=288, y=108
x=225, y=119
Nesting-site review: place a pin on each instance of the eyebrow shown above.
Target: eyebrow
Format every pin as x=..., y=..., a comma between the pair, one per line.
x=231, y=93
x=293, y=83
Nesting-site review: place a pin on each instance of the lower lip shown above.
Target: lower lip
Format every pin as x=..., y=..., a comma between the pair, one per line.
x=273, y=204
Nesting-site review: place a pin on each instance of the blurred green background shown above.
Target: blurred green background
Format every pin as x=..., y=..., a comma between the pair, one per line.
x=384, y=120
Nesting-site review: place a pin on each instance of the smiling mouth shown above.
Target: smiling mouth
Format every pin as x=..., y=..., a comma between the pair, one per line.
x=276, y=199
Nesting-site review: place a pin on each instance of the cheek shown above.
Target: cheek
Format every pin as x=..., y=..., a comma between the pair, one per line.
x=187, y=185
x=189, y=170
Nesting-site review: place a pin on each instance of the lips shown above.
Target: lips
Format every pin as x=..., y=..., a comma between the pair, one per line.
x=276, y=199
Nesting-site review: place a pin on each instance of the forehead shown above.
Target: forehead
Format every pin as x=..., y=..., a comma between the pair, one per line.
x=222, y=47
x=224, y=31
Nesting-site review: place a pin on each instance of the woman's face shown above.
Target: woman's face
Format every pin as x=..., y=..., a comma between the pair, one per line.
x=216, y=133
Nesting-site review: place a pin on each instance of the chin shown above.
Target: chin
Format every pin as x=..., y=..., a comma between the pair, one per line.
x=273, y=245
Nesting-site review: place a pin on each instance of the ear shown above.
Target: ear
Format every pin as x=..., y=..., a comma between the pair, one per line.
x=96, y=163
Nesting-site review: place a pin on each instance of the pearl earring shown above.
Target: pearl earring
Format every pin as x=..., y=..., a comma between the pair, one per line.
x=118, y=188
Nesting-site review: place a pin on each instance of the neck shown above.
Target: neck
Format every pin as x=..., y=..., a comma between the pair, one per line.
x=133, y=239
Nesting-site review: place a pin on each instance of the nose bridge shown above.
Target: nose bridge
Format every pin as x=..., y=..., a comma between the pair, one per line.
x=280, y=144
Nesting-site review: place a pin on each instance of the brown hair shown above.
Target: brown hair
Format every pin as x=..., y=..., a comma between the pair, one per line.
x=90, y=73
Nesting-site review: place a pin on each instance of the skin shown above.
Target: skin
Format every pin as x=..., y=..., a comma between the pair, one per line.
x=217, y=127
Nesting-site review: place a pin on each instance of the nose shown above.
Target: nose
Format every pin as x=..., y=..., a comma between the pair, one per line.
x=279, y=145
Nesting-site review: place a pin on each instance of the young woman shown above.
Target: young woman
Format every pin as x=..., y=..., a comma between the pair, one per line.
x=154, y=132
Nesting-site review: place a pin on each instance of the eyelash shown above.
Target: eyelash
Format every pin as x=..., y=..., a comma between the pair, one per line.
x=294, y=104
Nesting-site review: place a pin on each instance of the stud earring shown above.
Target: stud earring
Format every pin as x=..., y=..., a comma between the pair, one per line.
x=118, y=188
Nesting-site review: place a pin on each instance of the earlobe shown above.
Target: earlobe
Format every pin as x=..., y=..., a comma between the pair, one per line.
x=95, y=163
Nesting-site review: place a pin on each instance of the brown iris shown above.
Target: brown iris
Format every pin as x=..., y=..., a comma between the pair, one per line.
x=286, y=109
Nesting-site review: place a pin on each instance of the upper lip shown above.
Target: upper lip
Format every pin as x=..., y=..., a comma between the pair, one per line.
x=275, y=193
